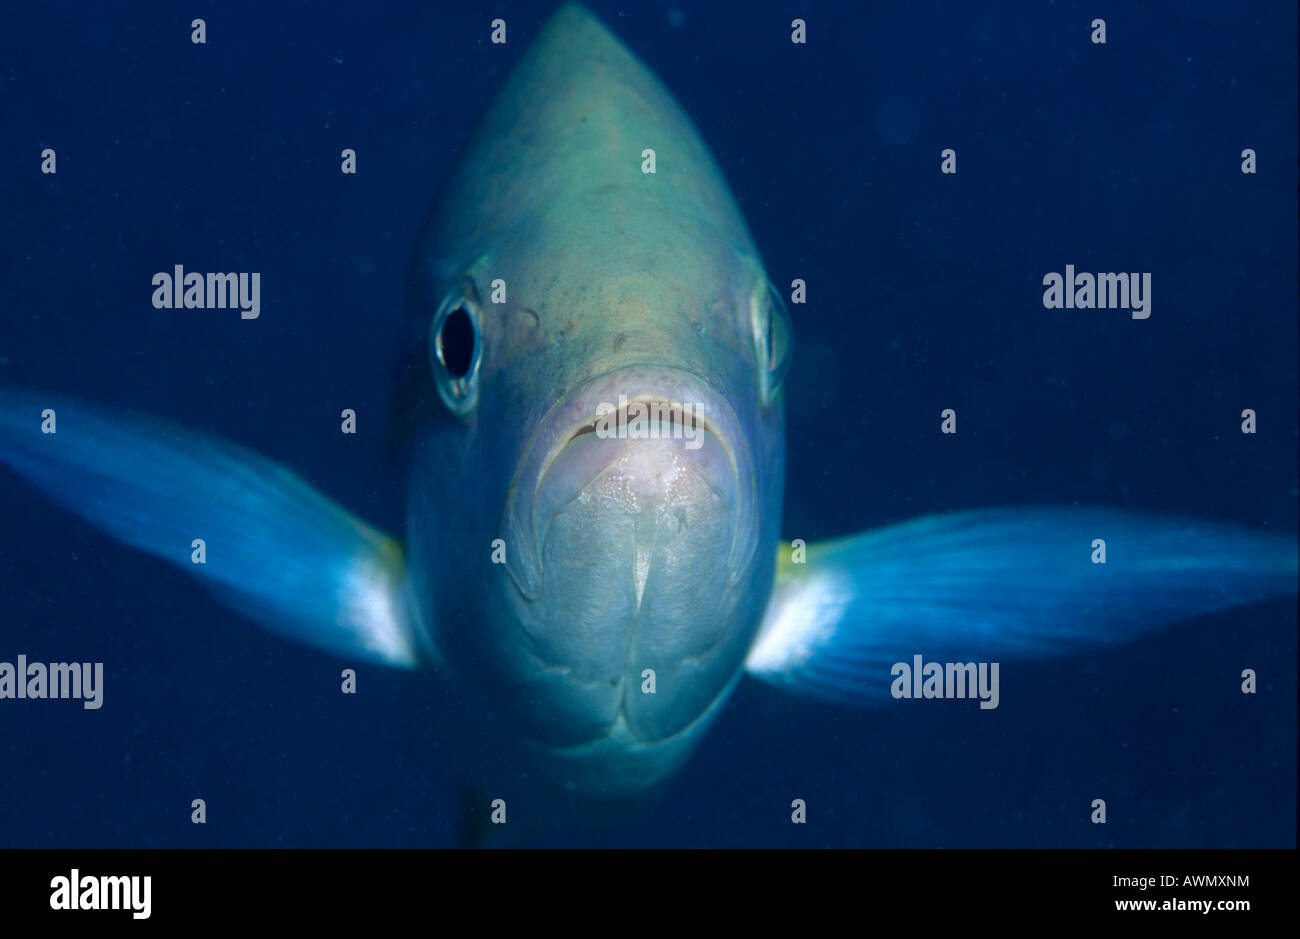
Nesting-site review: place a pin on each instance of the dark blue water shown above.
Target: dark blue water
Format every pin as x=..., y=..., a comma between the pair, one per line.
x=924, y=293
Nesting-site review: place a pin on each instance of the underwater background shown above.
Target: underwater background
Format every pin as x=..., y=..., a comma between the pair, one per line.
x=924, y=293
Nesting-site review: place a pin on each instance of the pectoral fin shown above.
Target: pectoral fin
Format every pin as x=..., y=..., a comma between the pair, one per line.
x=1001, y=584
x=273, y=547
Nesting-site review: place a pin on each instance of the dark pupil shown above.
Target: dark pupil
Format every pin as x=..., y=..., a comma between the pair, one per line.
x=456, y=342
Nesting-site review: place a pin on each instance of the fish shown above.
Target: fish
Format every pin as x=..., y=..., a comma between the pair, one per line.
x=592, y=557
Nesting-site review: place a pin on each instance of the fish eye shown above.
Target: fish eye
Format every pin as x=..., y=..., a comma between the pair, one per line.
x=455, y=350
x=772, y=338
x=456, y=343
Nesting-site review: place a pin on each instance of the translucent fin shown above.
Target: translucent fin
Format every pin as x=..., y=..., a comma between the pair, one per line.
x=1001, y=584
x=276, y=549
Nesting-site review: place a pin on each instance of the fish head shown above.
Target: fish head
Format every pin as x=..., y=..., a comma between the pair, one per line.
x=608, y=353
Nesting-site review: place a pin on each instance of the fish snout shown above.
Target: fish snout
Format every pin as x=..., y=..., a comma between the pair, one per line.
x=638, y=441
x=640, y=526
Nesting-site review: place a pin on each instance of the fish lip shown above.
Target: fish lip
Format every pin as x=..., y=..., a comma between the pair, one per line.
x=576, y=411
x=588, y=425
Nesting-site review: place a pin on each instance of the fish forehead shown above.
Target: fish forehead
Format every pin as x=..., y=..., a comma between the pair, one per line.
x=564, y=140
x=579, y=308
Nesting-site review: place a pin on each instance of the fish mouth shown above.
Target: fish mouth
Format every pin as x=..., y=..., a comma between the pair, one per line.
x=662, y=417
x=650, y=407
x=635, y=405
